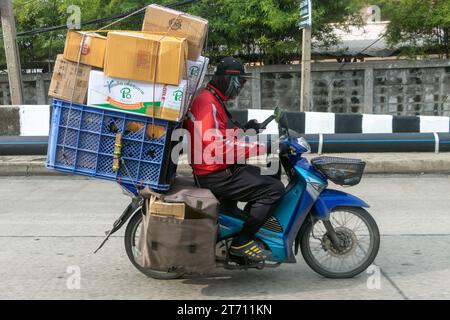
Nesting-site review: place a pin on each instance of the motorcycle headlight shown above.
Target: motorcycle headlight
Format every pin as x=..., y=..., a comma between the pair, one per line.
x=304, y=144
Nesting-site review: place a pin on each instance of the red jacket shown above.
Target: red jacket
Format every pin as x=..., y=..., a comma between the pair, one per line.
x=213, y=147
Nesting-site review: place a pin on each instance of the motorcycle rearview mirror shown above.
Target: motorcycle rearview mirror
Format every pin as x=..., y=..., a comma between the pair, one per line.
x=277, y=114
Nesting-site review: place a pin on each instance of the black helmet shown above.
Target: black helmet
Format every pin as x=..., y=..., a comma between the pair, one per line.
x=230, y=66
x=229, y=77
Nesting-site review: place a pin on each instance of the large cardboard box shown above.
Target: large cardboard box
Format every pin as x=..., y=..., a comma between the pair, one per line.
x=196, y=73
x=145, y=57
x=93, y=48
x=175, y=23
x=67, y=82
x=137, y=96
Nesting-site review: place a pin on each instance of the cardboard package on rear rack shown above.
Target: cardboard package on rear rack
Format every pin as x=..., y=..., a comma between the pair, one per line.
x=92, y=51
x=145, y=57
x=137, y=96
x=67, y=83
x=178, y=24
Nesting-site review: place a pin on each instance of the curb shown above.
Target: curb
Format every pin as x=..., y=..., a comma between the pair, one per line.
x=29, y=166
x=405, y=163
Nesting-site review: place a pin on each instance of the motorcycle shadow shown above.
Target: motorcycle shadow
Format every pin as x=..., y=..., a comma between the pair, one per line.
x=280, y=283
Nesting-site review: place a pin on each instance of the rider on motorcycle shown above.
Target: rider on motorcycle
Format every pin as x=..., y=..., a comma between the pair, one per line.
x=228, y=180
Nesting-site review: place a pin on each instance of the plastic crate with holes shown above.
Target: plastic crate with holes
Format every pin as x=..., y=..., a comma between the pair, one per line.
x=82, y=140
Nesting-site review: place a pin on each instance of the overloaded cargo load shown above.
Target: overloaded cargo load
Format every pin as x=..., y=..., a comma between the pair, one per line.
x=119, y=94
x=117, y=99
x=178, y=24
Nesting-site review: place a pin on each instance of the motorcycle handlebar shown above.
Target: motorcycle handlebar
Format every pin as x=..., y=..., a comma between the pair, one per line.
x=266, y=122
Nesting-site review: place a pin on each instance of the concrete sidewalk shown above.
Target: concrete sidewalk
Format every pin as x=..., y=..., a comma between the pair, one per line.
x=387, y=163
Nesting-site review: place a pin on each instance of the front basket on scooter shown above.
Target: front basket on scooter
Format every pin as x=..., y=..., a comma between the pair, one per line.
x=342, y=171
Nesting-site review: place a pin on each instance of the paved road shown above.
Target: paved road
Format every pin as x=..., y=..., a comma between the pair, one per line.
x=50, y=224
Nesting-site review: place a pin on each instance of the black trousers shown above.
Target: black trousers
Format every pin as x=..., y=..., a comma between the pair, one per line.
x=246, y=184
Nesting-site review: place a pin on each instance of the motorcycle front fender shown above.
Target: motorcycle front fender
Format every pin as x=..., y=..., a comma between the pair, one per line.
x=330, y=199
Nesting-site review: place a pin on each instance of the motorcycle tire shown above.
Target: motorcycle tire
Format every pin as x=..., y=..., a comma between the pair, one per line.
x=371, y=225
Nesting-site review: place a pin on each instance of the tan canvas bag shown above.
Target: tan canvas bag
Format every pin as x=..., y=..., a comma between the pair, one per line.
x=168, y=243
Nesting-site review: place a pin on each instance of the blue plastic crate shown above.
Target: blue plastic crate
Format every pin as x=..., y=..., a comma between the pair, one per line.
x=81, y=141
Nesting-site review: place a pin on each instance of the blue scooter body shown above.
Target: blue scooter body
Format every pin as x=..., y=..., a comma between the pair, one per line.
x=305, y=194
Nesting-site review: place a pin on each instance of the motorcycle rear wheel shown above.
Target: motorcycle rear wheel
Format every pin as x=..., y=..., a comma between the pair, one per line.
x=310, y=233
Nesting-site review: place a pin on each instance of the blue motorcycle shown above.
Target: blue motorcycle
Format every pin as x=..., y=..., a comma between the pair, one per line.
x=335, y=234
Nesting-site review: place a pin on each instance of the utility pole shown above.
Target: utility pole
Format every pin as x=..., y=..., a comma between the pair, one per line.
x=305, y=24
x=11, y=52
x=305, y=90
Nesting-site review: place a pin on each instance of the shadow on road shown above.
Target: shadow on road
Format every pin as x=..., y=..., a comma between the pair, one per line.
x=280, y=282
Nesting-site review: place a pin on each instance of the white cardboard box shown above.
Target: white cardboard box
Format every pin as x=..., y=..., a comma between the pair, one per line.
x=137, y=96
x=196, y=73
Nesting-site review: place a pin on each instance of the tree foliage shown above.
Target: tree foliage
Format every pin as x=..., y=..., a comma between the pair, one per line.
x=420, y=27
x=255, y=30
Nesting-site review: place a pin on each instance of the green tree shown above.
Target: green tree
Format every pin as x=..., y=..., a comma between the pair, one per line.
x=255, y=30
x=419, y=27
x=267, y=30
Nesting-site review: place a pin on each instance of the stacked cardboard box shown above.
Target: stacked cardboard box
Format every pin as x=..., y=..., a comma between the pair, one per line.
x=69, y=81
x=145, y=57
x=89, y=48
x=144, y=98
x=70, y=78
x=153, y=72
x=178, y=24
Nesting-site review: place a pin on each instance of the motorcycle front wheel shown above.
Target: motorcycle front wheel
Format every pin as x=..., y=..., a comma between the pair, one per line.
x=132, y=233
x=359, y=237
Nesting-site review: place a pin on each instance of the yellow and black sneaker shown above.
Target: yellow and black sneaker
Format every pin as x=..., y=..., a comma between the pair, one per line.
x=251, y=250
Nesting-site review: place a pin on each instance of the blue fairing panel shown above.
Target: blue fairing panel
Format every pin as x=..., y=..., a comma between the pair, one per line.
x=330, y=199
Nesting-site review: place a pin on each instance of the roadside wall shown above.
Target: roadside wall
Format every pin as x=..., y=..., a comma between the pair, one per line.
x=33, y=120
x=401, y=87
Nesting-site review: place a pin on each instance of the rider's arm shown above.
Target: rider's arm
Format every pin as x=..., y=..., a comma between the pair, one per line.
x=229, y=148
x=238, y=146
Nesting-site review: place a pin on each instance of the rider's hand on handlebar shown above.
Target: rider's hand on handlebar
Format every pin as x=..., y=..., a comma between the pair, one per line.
x=252, y=124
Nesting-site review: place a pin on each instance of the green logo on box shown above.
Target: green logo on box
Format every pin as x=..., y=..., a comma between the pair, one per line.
x=126, y=93
x=178, y=95
x=194, y=71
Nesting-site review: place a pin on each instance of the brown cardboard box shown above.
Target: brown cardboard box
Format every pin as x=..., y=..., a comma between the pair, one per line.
x=160, y=208
x=65, y=78
x=137, y=55
x=177, y=24
x=177, y=210
x=93, y=52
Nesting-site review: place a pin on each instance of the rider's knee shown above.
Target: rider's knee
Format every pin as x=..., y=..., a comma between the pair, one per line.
x=277, y=190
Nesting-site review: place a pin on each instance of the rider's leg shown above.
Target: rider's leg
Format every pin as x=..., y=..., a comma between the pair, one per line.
x=246, y=184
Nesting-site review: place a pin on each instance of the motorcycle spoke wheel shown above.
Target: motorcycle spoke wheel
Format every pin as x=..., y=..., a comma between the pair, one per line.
x=359, y=238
